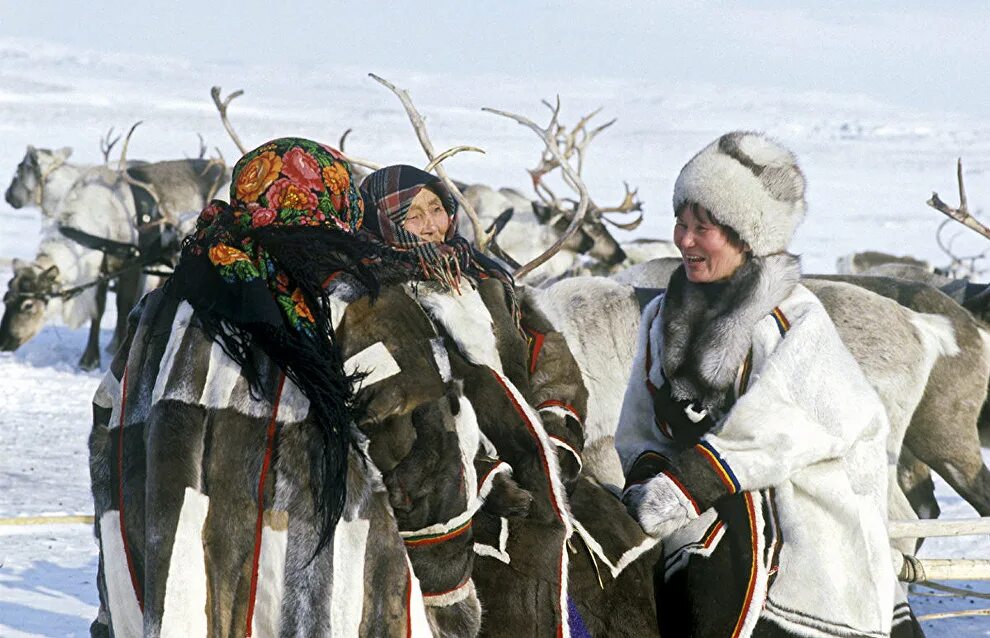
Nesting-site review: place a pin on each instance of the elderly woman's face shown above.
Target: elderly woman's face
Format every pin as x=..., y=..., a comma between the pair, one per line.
x=427, y=218
x=705, y=248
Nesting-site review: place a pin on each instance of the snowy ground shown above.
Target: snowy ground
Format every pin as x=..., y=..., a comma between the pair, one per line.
x=870, y=167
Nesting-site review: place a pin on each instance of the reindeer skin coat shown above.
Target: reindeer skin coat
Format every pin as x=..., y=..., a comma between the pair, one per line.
x=802, y=449
x=180, y=450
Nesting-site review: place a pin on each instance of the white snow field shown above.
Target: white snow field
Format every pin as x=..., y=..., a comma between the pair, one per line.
x=870, y=168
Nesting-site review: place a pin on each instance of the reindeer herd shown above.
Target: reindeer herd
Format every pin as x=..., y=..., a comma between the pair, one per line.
x=926, y=352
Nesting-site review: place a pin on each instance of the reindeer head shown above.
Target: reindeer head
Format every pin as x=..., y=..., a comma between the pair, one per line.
x=25, y=302
x=29, y=178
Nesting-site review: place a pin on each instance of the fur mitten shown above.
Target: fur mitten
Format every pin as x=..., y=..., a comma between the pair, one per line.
x=660, y=505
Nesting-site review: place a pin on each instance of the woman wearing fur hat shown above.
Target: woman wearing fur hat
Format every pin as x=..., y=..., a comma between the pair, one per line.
x=751, y=442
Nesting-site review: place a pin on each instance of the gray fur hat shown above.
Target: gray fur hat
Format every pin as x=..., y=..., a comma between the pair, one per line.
x=750, y=183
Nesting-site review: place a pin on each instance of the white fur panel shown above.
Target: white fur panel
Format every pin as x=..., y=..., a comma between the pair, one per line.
x=469, y=440
x=293, y=406
x=183, y=314
x=498, y=553
x=442, y=359
x=350, y=541
x=446, y=599
x=419, y=626
x=108, y=392
x=221, y=378
x=937, y=333
x=467, y=320
x=185, y=588
x=125, y=612
x=271, y=583
x=376, y=361
x=616, y=567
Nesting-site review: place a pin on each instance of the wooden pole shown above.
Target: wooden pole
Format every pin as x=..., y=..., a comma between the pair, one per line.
x=939, y=527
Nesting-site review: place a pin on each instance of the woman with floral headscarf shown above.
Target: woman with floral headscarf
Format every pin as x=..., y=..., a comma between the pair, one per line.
x=232, y=435
x=527, y=391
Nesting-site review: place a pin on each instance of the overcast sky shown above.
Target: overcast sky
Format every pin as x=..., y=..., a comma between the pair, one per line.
x=915, y=53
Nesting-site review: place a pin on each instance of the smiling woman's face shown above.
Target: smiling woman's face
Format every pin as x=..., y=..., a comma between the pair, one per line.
x=708, y=252
x=427, y=218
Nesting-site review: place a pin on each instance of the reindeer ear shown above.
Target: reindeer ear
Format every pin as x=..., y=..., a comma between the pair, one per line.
x=64, y=153
x=18, y=264
x=31, y=150
x=51, y=274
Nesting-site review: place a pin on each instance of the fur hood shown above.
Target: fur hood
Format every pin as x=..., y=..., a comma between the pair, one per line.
x=707, y=336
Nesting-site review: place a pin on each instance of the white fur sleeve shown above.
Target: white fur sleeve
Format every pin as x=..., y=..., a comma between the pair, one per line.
x=808, y=403
x=637, y=432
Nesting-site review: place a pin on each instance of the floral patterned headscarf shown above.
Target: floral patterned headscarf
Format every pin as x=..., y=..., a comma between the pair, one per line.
x=254, y=272
x=287, y=182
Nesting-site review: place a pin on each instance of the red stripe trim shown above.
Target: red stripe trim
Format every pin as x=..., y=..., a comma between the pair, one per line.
x=687, y=495
x=259, y=522
x=535, y=348
x=409, y=586
x=492, y=470
x=554, y=403
x=438, y=538
x=561, y=580
x=532, y=432
x=120, y=493
x=451, y=590
x=712, y=534
x=751, y=588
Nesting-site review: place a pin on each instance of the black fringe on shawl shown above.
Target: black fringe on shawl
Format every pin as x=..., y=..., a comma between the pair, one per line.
x=246, y=321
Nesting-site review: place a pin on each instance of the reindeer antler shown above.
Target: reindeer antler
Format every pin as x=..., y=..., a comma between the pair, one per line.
x=572, y=177
x=149, y=188
x=222, y=106
x=481, y=238
x=107, y=144
x=961, y=214
x=574, y=143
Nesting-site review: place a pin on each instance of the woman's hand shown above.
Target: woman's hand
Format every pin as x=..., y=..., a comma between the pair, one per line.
x=660, y=505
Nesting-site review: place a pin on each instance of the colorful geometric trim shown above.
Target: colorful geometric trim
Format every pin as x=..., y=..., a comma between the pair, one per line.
x=753, y=568
x=747, y=371
x=718, y=464
x=433, y=539
x=783, y=325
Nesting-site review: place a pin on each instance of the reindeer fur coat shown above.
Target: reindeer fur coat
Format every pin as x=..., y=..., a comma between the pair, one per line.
x=793, y=455
x=205, y=518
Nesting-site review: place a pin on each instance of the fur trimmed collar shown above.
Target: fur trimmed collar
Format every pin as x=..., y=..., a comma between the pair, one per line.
x=706, y=337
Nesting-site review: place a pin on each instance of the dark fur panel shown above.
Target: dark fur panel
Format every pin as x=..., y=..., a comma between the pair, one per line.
x=427, y=486
x=441, y=567
x=707, y=328
x=145, y=354
x=512, y=347
x=621, y=606
x=175, y=445
x=397, y=321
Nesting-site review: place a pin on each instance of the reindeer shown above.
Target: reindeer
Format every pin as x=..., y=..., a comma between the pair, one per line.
x=103, y=225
